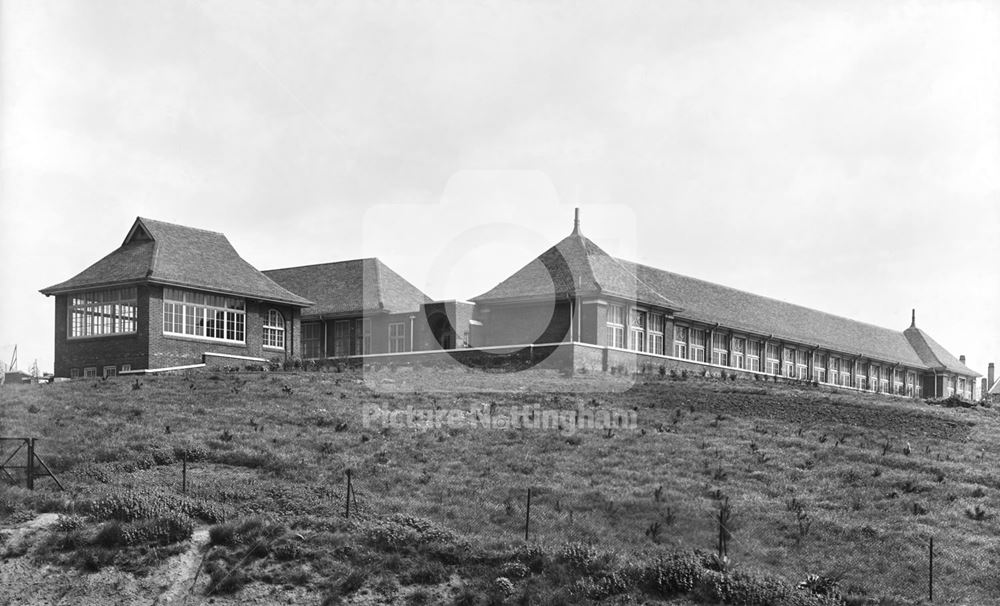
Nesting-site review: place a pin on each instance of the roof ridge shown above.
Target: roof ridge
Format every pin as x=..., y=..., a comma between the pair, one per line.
x=188, y=227
x=584, y=241
x=362, y=259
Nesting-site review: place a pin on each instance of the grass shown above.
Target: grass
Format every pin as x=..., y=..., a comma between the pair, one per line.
x=818, y=482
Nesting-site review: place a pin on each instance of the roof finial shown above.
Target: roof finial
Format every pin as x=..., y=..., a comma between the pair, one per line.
x=913, y=319
x=576, y=221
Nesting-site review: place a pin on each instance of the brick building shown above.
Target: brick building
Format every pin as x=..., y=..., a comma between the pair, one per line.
x=174, y=296
x=613, y=313
x=170, y=296
x=362, y=307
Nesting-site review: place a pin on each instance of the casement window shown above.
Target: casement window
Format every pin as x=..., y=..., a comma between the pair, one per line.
x=196, y=314
x=312, y=340
x=801, y=366
x=697, y=345
x=720, y=352
x=753, y=355
x=739, y=346
x=637, y=330
x=74, y=373
x=103, y=312
x=773, y=360
x=363, y=336
x=616, y=326
x=274, y=329
x=834, y=371
x=680, y=341
x=789, y=359
x=819, y=367
x=397, y=337
x=656, y=334
x=897, y=381
x=860, y=378
x=342, y=338
x=110, y=371
x=911, y=384
x=90, y=372
x=126, y=367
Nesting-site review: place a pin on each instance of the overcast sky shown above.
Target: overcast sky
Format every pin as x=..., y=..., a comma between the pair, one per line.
x=843, y=156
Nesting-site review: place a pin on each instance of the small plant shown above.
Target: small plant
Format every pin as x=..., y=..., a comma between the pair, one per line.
x=653, y=532
x=658, y=494
x=977, y=513
x=918, y=509
x=978, y=492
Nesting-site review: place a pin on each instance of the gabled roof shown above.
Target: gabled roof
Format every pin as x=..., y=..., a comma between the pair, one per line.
x=995, y=390
x=175, y=255
x=575, y=266
x=933, y=355
x=350, y=288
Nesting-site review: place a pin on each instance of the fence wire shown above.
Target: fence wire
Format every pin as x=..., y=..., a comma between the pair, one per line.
x=865, y=563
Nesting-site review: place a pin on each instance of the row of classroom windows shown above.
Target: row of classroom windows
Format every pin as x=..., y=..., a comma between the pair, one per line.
x=646, y=334
x=350, y=338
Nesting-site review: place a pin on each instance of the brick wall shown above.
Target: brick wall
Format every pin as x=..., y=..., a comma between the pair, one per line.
x=98, y=352
x=525, y=323
x=166, y=351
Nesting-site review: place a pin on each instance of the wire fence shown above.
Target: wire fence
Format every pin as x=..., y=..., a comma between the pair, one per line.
x=867, y=561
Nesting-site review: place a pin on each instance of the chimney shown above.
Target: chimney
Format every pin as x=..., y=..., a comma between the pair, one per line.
x=576, y=221
x=989, y=375
x=961, y=359
x=913, y=319
x=985, y=390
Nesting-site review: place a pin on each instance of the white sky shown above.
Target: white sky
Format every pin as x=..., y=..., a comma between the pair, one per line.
x=843, y=156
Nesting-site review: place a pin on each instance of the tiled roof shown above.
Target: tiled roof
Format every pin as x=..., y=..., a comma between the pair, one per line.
x=594, y=271
x=933, y=355
x=574, y=266
x=712, y=303
x=164, y=253
x=350, y=288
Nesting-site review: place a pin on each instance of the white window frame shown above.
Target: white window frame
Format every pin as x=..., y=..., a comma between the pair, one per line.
x=190, y=311
x=90, y=372
x=773, y=362
x=657, y=326
x=720, y=355
x=753, y=359
x=737, y=355
x=680, y=341
x=616, y=326
x=697, y=352
x=637, y=321
x=102, y=313
x=274, y=330
x=109, y=371
x=126, y=367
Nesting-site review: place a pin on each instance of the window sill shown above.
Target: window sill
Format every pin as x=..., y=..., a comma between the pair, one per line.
x=196, y=339
x=273, y=348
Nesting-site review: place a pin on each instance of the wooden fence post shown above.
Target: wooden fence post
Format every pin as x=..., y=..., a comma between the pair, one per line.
x=30, y=468
x=930, y=571
x=347, y=499
x=527, y=515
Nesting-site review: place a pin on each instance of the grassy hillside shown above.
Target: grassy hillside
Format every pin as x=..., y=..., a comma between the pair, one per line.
x=850, y=487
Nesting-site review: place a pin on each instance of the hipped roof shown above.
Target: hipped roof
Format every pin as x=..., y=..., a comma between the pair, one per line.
x=176, y=255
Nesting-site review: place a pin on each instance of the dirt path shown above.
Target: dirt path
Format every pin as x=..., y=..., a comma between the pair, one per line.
x=180, y=572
